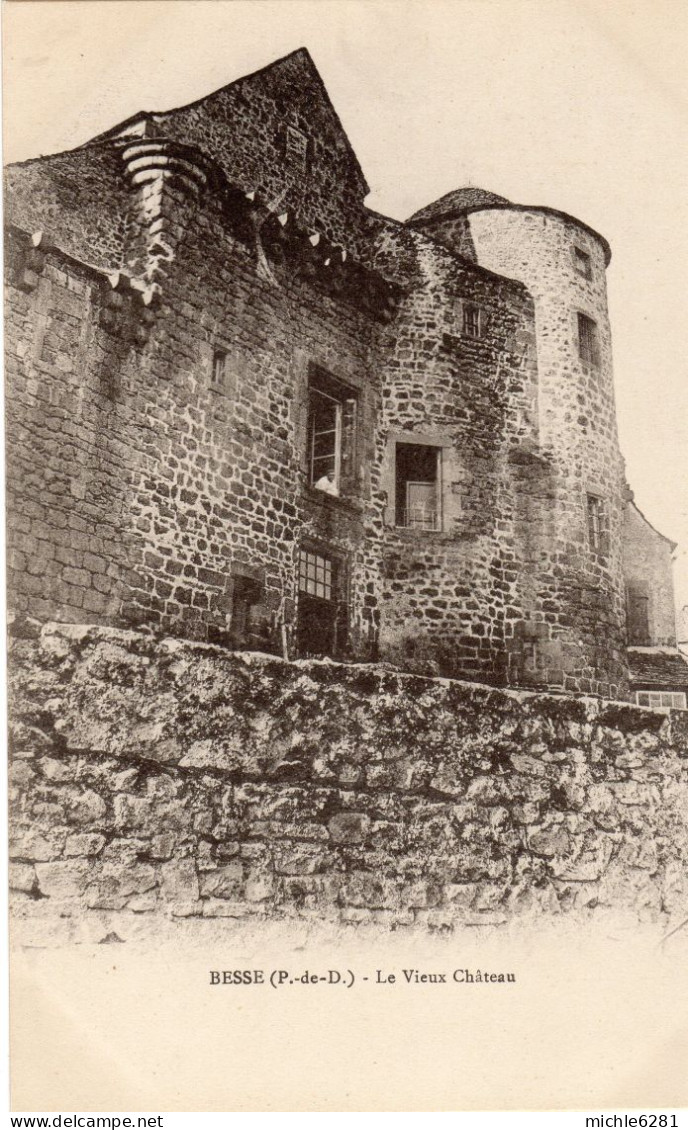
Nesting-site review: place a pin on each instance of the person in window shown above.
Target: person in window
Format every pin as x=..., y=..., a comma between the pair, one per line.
x=327, y=483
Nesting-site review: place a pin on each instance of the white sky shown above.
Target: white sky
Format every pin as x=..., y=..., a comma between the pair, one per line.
x=581, y=105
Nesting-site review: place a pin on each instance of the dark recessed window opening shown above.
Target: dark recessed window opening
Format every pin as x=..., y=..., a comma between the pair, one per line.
x=588, y=346
x=417, y=486
x=596, y=523
x=248, y=626
x=582, y=263
x=472, y=321
x=638, y=615
x=219, y=370
x=322, y=616
x=331, y=434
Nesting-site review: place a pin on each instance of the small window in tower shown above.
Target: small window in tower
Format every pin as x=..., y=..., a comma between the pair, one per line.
x=597, y=535
x=473, y=322
x=588, y=347
x=296, y=147
x=331, y=434
x=418, y=487
x=582, y=263
x=219, y=371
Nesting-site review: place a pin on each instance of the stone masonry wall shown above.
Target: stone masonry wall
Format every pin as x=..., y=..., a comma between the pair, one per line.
x=458, y=590
x=579, y=625
x=152, y=485
x=648, y=570
x=161, y=776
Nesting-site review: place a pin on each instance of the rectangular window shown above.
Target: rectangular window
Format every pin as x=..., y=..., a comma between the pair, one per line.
x=588, y=347
x=296, y=147
x=418, y=471
x=219, y=371
x=582, y=263
x=596, y=527
x=315, y=575
x=472, y=320
x=247, y=626
x=331, y=434
x=662, y=700
x=322, y=609
x=638, y=615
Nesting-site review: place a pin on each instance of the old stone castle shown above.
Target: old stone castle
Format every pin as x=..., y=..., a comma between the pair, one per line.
x=243, y=408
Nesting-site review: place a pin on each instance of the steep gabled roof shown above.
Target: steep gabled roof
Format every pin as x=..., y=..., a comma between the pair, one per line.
x=301, y=55
x=672, y=544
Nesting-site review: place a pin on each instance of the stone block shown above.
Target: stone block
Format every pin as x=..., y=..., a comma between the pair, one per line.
x=62, y=880
x=549, y=842
x=225, y=882
x=179, y=882
x=85, y=807
x=349, y=827
x=22, y=877
x=84, y=843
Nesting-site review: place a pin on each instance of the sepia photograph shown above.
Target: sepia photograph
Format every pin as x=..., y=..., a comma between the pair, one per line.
x=347, y=554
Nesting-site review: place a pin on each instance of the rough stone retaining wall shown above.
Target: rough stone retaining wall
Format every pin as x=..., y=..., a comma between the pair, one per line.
x=159, y=775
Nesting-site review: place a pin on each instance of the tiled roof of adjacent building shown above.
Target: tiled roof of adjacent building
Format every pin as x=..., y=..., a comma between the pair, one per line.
x=657, y=667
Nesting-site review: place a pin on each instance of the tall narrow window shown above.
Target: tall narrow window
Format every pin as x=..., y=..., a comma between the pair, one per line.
x=596, y=530
x=331, y=434
x=418, y=486
x=219, y=370
x=322, y=618
x=246, y=598
x=638, y=615
x=582, y=263
x=296, y=148
x=588, y=346
x=472, y=320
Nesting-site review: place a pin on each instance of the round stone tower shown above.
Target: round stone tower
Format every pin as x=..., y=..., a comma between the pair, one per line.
x=574, y=633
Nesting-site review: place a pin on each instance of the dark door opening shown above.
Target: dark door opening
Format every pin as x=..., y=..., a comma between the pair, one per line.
x=322, y=615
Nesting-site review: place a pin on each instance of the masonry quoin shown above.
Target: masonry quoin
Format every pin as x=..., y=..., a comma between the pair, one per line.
x=244, y=408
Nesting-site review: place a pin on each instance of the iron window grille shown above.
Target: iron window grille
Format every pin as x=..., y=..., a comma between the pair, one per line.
x=472, y=321
x=588, y=345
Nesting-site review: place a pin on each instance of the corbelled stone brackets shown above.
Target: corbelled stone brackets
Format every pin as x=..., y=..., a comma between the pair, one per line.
x=166, y=181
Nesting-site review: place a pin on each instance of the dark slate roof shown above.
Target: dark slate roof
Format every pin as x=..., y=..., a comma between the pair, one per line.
x=466, y=200
x=664, y=668
x=457, y=201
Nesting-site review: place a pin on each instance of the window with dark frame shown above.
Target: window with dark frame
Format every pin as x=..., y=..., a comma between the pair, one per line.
x=331, y=434
x=219, y=370
x=582, y=263
x=322, y=626
x=596, y=528
x=472, y=320
x=588, y=346
x=417, y=480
